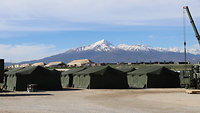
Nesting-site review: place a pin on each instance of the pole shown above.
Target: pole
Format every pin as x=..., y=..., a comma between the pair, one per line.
x=184, y=31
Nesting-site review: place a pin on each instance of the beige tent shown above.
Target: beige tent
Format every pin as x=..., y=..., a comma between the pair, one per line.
x=25, y=65
x=52, y=64
x=38, y=64
x=80, y=62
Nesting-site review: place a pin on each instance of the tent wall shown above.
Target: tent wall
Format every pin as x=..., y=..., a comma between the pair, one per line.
x=1, y=70
x=113, y=80
x=81, y=81
x=76, y=81
x=67, y=76
x=100, y=77
x=163, y=81
x=67, y=80
x=137, y=81
x=95, y=81
x=45, y=82
x=153, y=81
x=143, y=80
x=55, y=83
x=121, y=81
x=64, y=80
x=11, y=82
x=153, y=77
x=21, y=83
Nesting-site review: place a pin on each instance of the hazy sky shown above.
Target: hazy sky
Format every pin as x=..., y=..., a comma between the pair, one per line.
x=31, y=29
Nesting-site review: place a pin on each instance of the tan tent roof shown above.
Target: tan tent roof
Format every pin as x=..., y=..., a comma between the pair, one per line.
x=25, y=65
x=80, y=61
x=39, y=64
x=54, y=63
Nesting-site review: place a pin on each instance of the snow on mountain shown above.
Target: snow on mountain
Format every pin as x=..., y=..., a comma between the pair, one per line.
x=101, y=45
x=194, y=51
x=104, y=45
x=138, y=47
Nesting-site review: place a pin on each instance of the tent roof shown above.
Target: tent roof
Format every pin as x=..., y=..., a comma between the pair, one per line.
x=151, y=70
x=54, y=70
x=99, y=70
x=54, y=63
x=73, y=70
x=127, y=69
x=39, y=64
x=33, y=69
x=80, y=61
x=13, y=70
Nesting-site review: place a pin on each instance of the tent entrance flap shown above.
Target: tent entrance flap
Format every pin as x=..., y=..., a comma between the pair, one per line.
x=137, y=81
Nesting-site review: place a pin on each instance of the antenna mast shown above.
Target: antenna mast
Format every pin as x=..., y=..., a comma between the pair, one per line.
x=184, y=31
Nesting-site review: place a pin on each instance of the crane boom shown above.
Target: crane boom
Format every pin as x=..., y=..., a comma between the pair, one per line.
x=193, y=24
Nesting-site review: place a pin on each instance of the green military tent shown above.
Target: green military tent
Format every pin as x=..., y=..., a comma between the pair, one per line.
x=44, y=78
x=127, y=69
x=153, y=77
x=67, y=76
x=5, y=70
x=6, y=75
x=13, y=70
x=100, y=77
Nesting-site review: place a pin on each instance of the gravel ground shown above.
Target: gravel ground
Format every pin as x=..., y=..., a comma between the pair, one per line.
x=100, y=101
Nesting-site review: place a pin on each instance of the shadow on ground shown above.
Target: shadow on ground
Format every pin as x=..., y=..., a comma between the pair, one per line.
x=13, y=95
x=70, y=89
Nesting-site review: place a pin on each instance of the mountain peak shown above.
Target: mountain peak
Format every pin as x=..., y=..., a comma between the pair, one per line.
x=103, y=42
x=101, y=45
x=103, y=51
x=104, y=45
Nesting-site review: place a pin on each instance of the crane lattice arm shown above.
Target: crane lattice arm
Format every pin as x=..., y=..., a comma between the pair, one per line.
x=193, y=24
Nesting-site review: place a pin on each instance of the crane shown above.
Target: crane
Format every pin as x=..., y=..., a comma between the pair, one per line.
x=192, y=22
x=191, y=78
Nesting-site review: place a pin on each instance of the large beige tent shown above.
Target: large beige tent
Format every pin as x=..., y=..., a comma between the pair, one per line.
x=38, y=64
x=25, y=65
x=80, y=62
x=53, y=64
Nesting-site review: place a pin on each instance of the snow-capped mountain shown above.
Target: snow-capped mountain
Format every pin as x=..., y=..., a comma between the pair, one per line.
x=104, y=51
x=104, y=45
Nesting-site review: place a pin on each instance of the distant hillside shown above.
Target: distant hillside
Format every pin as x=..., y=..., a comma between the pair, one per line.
x=104, y=51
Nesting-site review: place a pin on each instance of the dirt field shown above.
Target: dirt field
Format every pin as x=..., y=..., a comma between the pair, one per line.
x=100, y=101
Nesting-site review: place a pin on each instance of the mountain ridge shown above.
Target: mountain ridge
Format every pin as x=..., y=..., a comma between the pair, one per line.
x=104, y=51
x=104, y=45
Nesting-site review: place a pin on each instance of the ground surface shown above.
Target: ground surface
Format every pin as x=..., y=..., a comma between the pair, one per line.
x=100, y=101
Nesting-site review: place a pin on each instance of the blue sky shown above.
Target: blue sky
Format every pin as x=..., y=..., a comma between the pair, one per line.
x=31, y=30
